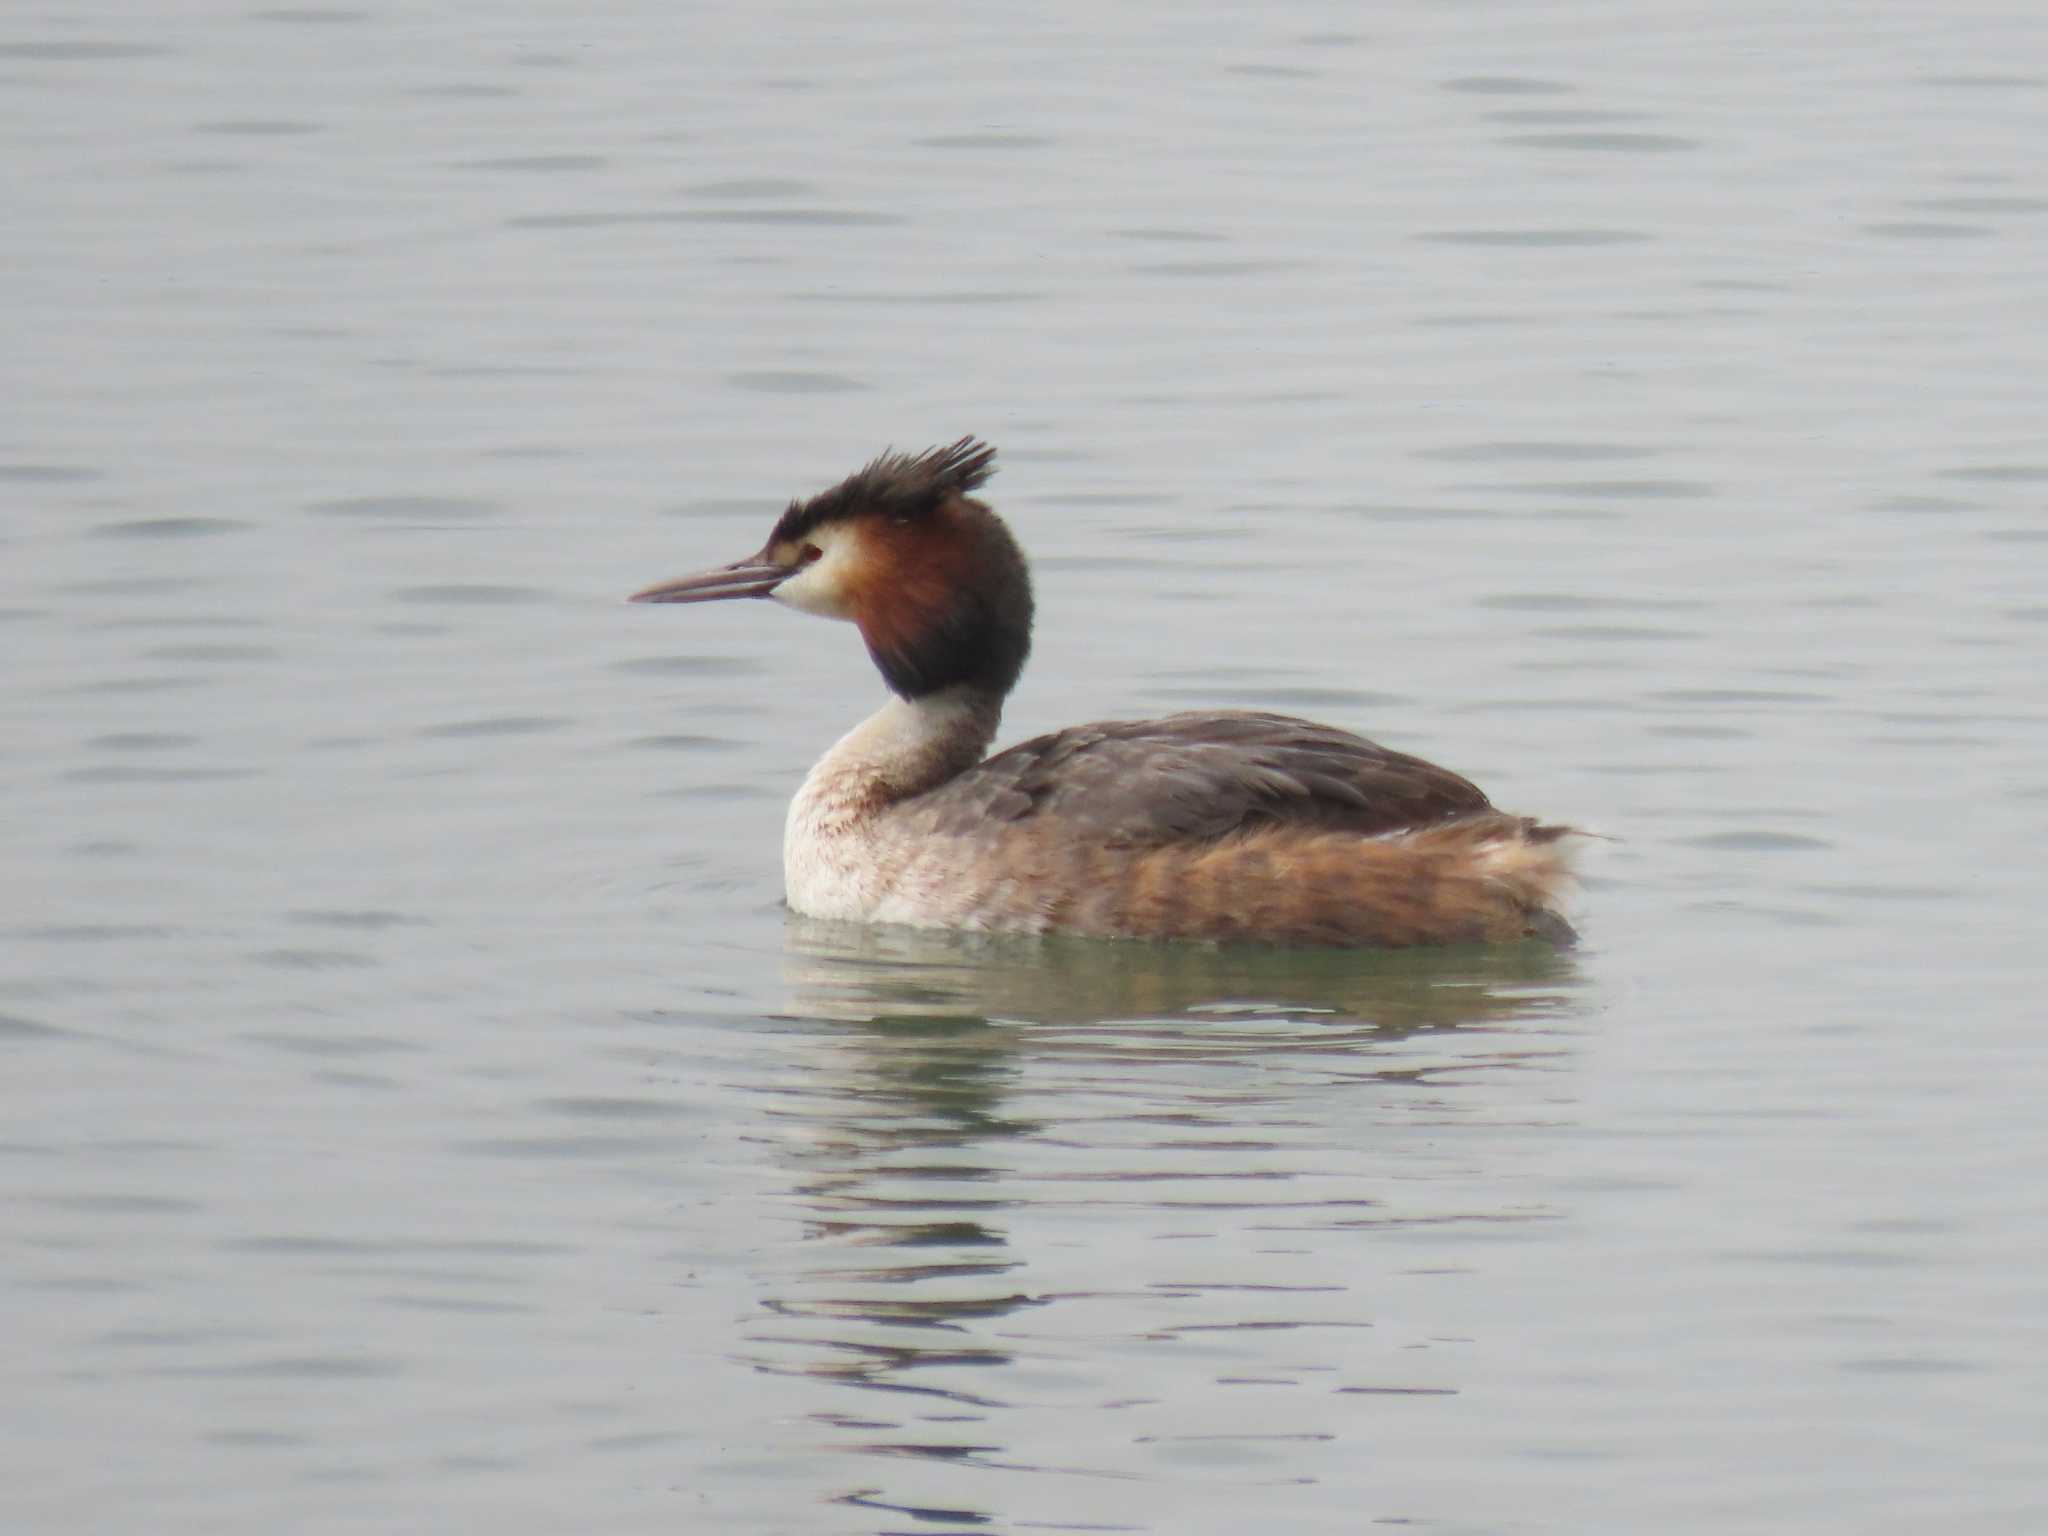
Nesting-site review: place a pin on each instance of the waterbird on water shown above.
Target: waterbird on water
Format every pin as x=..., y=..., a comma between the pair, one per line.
x=1231, y=825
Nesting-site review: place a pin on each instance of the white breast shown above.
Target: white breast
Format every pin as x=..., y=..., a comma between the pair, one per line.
x=837, y=859
x=827, y=868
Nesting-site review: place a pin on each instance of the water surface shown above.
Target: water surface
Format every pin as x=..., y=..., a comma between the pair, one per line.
x=422, y=1112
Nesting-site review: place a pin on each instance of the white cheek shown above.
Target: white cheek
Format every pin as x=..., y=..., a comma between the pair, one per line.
x=817, y=588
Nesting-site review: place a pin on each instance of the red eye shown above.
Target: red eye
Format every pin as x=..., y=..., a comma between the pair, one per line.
x=809, y=553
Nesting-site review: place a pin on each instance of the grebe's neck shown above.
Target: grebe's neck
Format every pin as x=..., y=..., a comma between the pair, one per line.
x=903, y=749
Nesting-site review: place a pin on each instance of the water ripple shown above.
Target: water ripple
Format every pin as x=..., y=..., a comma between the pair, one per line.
x=1607, y=143
x=816, y=218
x=796, y=381
x=170, y=527
x=424, y=509
x=1504, y=85
x=1536, y=239
x=80, y=50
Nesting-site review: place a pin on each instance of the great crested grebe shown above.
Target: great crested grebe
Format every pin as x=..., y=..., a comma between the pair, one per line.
x=1226, y=826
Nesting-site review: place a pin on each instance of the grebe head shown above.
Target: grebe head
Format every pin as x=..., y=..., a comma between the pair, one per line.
x=930, y=575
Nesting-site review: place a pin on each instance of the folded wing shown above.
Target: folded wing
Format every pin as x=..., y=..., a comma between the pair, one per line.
x=1199, y=777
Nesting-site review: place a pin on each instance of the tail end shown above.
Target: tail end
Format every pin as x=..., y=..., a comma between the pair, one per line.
x=1533, y=864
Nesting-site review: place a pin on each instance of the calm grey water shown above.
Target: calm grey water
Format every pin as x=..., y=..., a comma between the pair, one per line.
x=420, y=1114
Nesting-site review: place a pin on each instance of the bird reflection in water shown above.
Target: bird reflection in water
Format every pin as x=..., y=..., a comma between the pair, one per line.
x=858, y=973
x=952, y=1090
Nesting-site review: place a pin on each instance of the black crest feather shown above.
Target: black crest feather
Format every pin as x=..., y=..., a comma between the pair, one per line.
x=904, y=486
